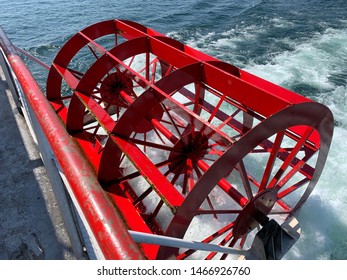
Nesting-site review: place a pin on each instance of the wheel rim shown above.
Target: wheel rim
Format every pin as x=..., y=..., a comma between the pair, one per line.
x=232, y=233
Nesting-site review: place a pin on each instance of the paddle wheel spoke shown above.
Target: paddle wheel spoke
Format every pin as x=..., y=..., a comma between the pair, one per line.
x=222, y=243
x=285, y=206
x=271, y=161
x=142, y=196
x=172, y=121
x=292, y=188
x=292, y=172
x=290, y=157
x=245, y=180
x=208, y=239
x=131, y=60
x=93, y=51
x=216, y=109
x=76, y=73
x=208, y=199
x=157, y=209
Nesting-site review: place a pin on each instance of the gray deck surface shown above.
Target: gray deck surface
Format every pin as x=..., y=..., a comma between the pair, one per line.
x=31, y=226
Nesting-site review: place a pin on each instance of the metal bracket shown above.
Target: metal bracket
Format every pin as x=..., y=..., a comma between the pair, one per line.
x=273, y=241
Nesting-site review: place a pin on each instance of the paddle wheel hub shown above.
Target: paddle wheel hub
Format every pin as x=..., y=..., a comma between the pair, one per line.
x=192, y=147
x=255, y=213
x=112, y=87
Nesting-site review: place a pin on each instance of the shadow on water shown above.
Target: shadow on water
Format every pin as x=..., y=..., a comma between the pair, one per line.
x=30, y=223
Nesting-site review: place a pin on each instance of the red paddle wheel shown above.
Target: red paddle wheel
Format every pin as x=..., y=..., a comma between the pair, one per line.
x=185, y=145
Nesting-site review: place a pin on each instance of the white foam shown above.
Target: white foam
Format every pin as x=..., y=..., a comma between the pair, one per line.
x=280, y=22
x=314, y=63
x=336, y=100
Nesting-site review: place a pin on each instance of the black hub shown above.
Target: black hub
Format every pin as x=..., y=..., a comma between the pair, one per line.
x=255, y=212
x=192, y=146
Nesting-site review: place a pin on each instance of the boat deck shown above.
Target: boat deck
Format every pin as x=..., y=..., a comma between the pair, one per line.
x=31, y=226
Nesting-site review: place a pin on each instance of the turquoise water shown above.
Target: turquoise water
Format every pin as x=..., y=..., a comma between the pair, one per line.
x=301, y=45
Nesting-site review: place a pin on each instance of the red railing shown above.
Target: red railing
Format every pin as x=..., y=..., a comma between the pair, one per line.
x=106, y=223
